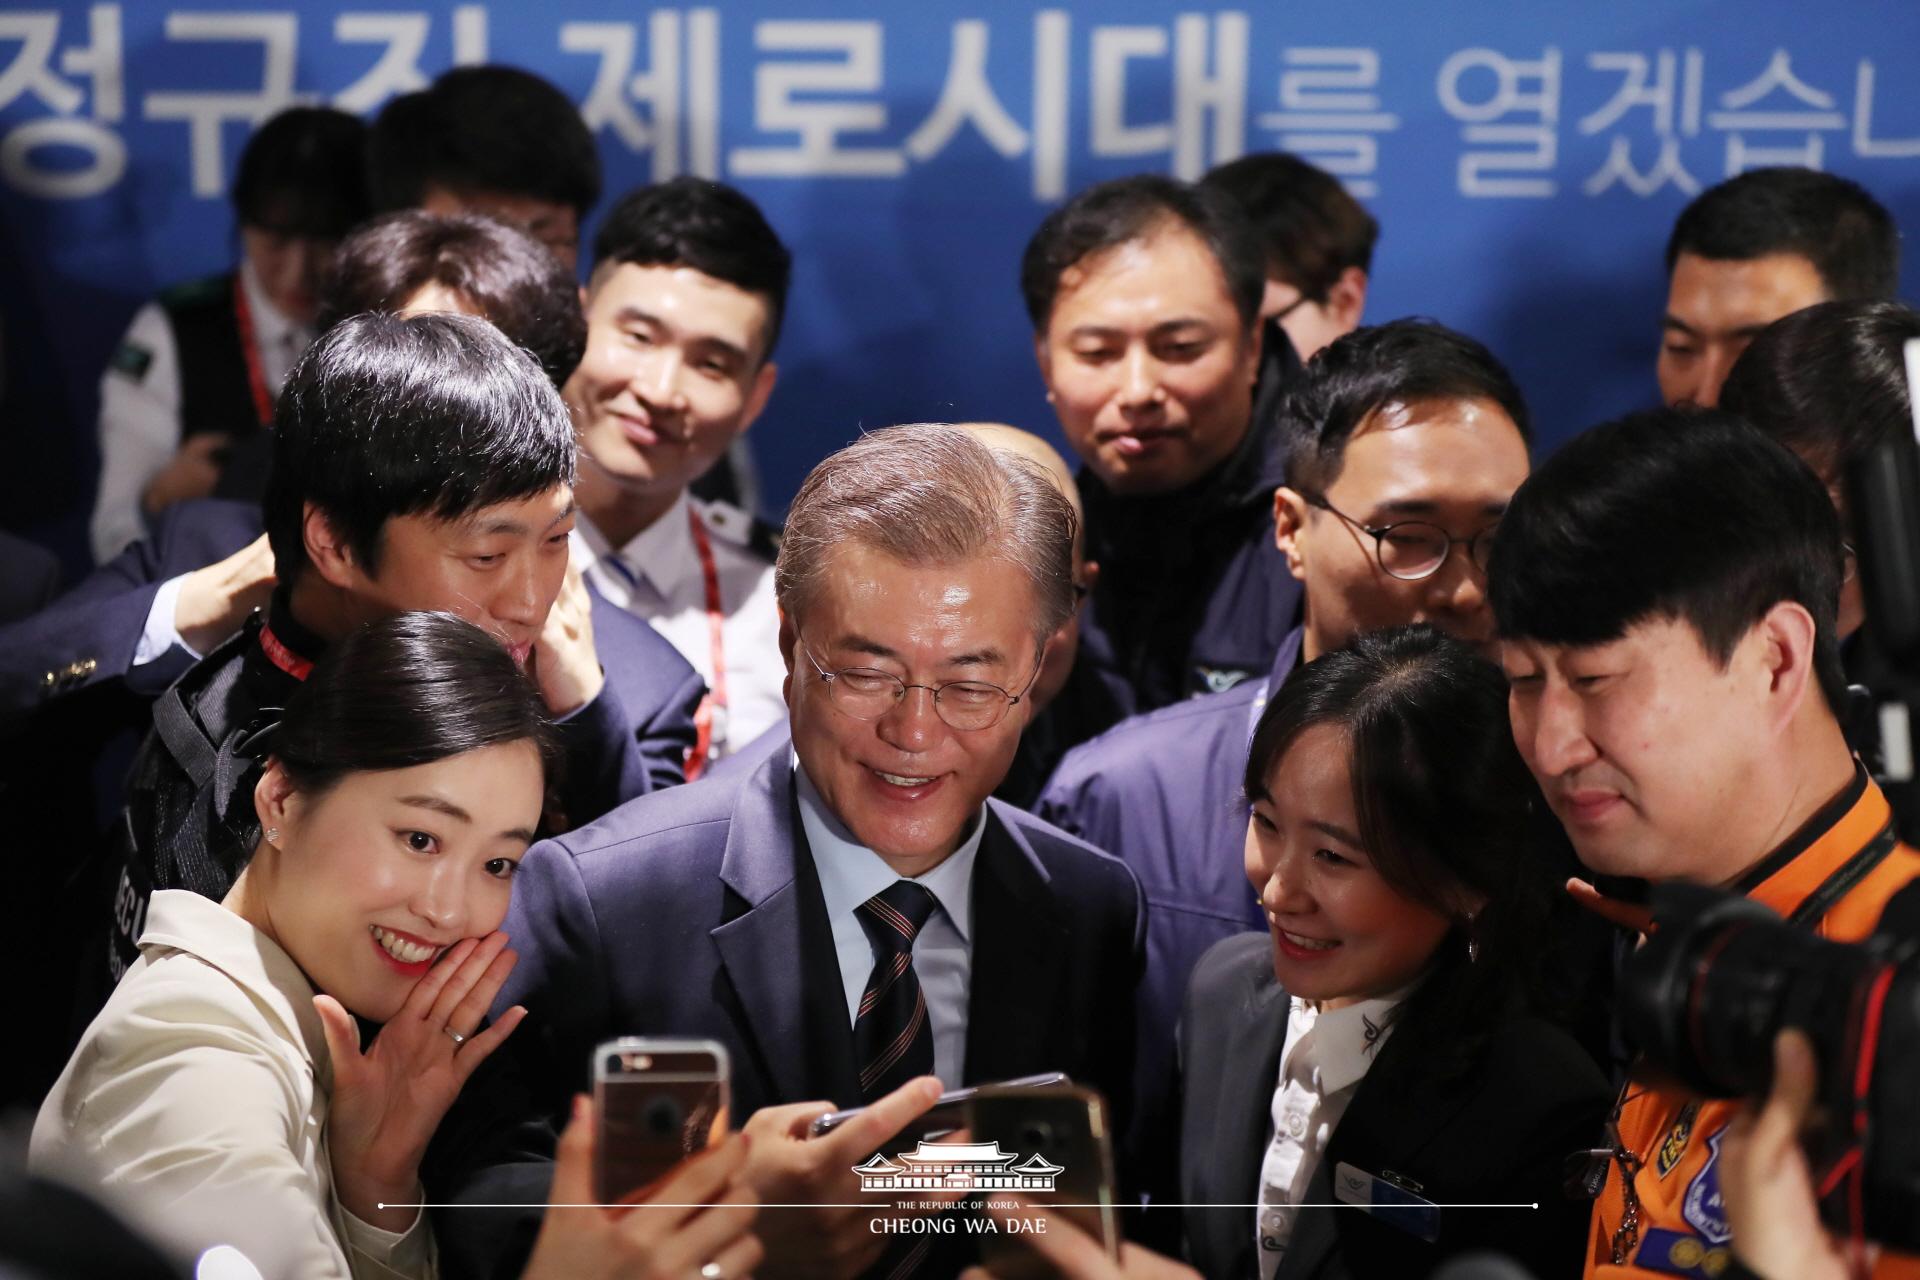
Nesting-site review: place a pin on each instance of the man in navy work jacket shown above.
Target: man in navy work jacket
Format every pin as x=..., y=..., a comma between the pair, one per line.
x=919, y=578
x=1403, y=443
x=1144, y=295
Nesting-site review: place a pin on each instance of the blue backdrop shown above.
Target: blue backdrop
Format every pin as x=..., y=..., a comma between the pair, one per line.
x=1525, y=158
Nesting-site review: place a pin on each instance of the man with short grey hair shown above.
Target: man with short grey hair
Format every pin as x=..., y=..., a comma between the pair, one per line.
x=857, y=914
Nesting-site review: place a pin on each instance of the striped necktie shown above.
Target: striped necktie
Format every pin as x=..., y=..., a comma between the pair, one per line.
x=893, y=1041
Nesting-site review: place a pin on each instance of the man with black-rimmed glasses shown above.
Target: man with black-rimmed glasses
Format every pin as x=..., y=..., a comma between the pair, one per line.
x=1403, y=443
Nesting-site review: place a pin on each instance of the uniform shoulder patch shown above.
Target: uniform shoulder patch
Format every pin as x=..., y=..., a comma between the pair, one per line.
x=131, y=359
x=765, y=539
x=730, y=524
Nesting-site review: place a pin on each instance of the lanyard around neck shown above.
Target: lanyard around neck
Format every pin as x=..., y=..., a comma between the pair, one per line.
x=710, y=719
x=250, y=351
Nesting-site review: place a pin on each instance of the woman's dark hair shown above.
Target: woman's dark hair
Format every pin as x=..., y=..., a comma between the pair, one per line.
x=404, y=691
x=1443, y=803
x=499, y=271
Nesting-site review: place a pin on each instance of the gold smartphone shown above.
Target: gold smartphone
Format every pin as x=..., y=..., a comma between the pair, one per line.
x=1061, y=1146
x=655, y=1102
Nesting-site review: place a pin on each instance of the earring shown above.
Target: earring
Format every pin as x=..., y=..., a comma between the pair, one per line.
x=273, y=835
x=1473, y=943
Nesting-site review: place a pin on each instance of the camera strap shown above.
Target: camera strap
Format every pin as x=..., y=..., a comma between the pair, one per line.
x=1844, y=878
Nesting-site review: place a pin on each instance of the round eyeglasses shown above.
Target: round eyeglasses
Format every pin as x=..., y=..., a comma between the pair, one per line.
x=1413, y=549
x=867, y=693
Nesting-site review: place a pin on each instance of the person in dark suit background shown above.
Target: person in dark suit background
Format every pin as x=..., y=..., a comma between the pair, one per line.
x=919, y=579
x=1379, y=1039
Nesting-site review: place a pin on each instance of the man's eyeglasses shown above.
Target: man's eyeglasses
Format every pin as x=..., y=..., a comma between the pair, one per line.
x=867, y=693
x=1413, y=549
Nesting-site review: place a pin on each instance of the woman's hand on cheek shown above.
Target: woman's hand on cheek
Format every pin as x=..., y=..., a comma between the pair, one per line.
x=387, y=1102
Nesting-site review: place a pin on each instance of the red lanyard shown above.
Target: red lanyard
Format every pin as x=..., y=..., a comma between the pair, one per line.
x=282, y=657
x=256, y=380
x=713, y=707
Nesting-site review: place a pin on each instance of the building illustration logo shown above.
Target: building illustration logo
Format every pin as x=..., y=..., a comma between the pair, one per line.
x=957, y=1166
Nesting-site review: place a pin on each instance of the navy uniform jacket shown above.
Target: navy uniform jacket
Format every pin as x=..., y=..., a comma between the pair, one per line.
x=1497, y=1132
x=1161, y=792
x=1193, y=595
x=698, y=912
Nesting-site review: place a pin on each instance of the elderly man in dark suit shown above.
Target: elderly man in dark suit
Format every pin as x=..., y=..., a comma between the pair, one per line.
x=856, y=913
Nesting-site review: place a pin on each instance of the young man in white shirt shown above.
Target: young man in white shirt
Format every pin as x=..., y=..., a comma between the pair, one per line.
x=200, y=366
x=683, y=309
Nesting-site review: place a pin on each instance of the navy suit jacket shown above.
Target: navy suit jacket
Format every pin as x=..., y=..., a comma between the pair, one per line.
x=697, y=912
x=1497, y=1133
x=29, y=576
x=632, y=739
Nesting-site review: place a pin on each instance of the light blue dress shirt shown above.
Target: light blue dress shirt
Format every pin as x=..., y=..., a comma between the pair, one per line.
x=850, y=873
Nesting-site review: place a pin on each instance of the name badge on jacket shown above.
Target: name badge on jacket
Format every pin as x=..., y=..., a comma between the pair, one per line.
x=1387, y=1201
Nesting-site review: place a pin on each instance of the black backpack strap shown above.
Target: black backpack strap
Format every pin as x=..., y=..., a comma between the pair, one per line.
x=185, y=741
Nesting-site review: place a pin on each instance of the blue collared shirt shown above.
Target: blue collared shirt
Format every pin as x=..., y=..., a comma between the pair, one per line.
x=850, y=873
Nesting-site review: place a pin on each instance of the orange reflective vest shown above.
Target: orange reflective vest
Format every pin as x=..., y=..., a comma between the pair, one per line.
x=1675, y=1136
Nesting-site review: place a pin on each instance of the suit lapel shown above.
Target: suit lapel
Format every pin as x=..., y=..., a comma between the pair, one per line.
x=1018, y=946
x=1395, y=1114
x=771, y=950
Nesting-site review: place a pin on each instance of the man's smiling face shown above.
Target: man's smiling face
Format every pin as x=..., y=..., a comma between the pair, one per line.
x=907, y=784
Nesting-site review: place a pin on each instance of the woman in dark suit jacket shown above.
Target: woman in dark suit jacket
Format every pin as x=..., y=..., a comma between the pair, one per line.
x=1388, y=844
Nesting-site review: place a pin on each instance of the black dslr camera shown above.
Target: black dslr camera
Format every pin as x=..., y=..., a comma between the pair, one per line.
x=1722, y=975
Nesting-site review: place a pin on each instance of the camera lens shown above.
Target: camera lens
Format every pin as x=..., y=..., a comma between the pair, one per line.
x=663, y=1118
x=1707, y=993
